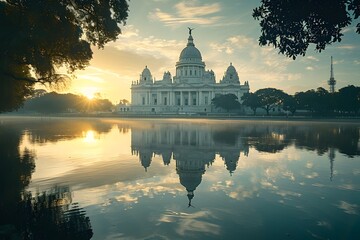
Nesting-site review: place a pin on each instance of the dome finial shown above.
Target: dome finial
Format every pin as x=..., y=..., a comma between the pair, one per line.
x=190, y=29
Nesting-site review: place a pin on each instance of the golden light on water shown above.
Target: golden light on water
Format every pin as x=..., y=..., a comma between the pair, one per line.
x=89, y=136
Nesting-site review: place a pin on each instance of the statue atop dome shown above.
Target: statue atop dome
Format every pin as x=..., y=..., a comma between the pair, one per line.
x=190, y=29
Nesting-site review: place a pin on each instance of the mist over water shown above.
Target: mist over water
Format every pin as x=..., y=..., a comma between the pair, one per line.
x=176, y=179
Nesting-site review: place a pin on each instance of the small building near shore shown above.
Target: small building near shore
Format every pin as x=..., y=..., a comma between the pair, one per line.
x=189, y=91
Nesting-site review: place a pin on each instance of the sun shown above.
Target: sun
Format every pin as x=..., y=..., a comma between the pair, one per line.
x=89, y=92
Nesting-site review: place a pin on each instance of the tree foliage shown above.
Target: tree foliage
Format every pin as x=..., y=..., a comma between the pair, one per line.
x=226, y=101
x=292, y=25
x=290, y=104
x=269, y=98
x=60, y=103
x=40, y=36
x=318, y=101
x=348, y=99
x=252, y=101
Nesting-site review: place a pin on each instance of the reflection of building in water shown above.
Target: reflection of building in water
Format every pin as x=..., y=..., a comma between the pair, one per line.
x=190, y=165
x=230, y=160
x=192, y=147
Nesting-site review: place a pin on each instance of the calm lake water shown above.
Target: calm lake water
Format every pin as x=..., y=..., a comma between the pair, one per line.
x=178, y=179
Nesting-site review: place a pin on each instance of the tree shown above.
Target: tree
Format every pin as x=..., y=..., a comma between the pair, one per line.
x=226, y=101
x=50, y=35
x=269, y=98
x=124, y=102
x=348, y=99
x=252, y=101
x=59, y=103
x=319, y=101
x=290, y=104
x=292, y=25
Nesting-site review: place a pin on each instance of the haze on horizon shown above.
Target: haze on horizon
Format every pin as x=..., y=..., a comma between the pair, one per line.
x=225, y=32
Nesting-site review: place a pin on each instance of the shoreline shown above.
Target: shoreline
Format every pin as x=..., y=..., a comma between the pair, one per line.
x=189, y=117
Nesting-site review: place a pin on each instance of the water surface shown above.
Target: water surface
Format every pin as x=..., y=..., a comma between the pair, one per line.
x=178, y=179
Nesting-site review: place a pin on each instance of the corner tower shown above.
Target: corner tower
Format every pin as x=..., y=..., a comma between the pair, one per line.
x=231, y=76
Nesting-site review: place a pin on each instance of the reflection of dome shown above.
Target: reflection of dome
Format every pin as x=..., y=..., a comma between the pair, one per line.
x=166, y=155
x=190, y=180
x=145, y=158
x=231, y=159
x=190, y=174
x=190, y=52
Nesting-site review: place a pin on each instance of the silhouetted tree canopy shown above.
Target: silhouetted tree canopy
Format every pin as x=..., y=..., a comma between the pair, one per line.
x=59, y=103
x=226, y=101
x=348, y=99
x=269, y=98
x=39, y=36
x=290, y=104
x=252, y=101
x=318, y=101
x=292, y=25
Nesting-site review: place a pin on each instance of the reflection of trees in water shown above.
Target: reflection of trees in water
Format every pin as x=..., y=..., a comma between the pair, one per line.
x=320, y=137
x=46, y=216
x=226, y=136
x=263, y=138
x=16, y=168
x=51, y=215
x=53, y=130
x=43, y=129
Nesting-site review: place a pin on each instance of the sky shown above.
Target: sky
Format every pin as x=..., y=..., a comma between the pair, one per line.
x=225, y=32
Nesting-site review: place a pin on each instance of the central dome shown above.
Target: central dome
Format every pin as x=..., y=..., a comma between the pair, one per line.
x=190, y=51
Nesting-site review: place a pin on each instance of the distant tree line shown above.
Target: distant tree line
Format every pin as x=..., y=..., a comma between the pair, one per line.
x=43, y=102
x=317, y=102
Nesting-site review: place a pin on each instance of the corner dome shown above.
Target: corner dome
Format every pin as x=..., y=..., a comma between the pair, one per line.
x=231, y=69
x=231, y=75
x=146, y=72
x=190, y=51
x=145, y=76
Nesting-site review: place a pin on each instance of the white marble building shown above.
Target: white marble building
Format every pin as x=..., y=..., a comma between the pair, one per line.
x=189, y=91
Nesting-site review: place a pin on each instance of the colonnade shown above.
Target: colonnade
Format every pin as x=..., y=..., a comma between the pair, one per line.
x=173, y=98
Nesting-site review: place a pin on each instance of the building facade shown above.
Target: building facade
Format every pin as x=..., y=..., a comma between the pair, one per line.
x=189, y=91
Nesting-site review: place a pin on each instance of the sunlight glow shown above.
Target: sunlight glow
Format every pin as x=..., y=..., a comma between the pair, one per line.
x=89, y=92
x=89, y=136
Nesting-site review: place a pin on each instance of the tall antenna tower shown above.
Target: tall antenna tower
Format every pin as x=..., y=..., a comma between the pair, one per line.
x=332, y=80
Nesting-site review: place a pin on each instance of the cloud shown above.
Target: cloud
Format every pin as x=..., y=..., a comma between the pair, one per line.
x=190, y=9
x=338, y=61
x=151, y=46
x=348, y=207
x=261, y=66
x=188, y=12
x=91, y=77
x=309, y=68
x=312, y=58
x=129, y=31
x=346, y=47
